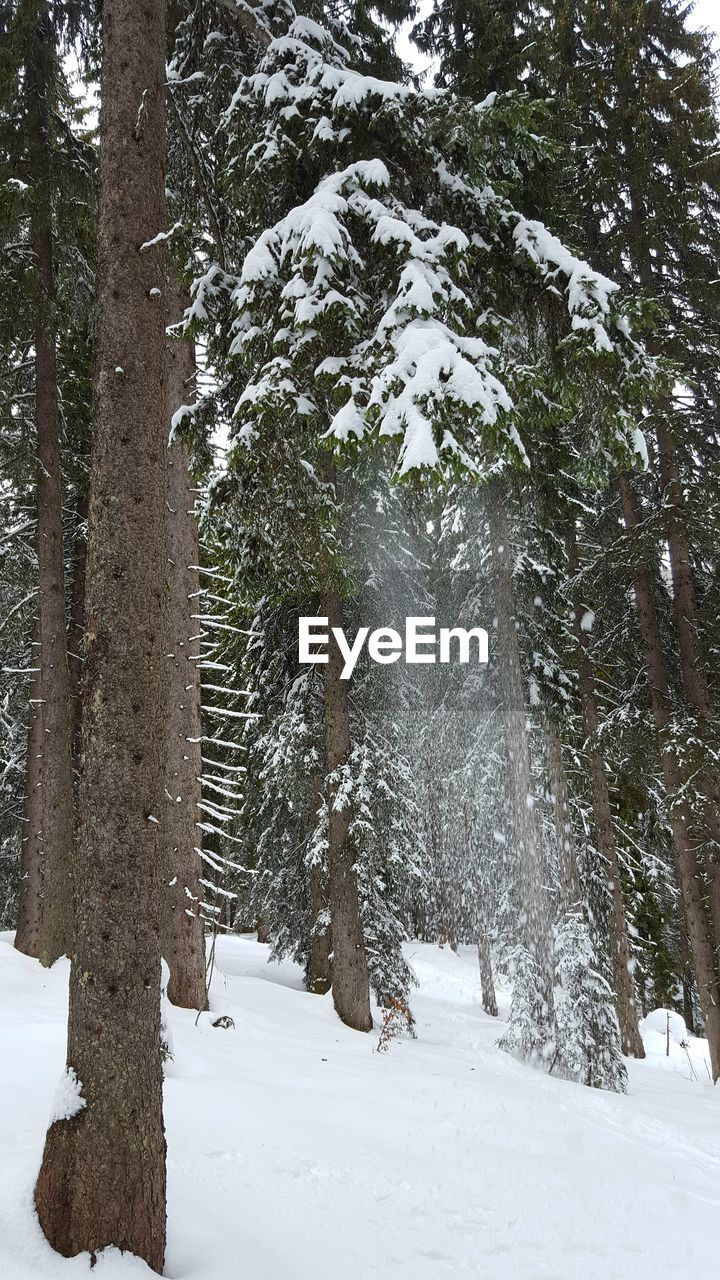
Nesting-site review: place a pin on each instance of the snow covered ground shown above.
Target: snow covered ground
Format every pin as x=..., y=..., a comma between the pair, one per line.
x=296, y=1152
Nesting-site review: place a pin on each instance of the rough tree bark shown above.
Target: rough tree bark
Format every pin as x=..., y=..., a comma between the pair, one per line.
x=27, y=934
x=57, y=777
x=182, y=926
x=687, y=858
x=631, y=1039
x=533, y=895
x=76, y=629
x=102, y=1180
x=350, y=984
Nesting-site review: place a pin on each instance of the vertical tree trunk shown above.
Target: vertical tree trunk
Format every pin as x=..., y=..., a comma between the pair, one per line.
x=182, y=925
x=350, y=984
x=487, y=985
x=319, y=969
x=27, y=934
x=695, y=685
x=76, y=630
x=445, y=883
x=57, y=780
x=534, y=900
x=631, y=1039
x=567, y=856
x=318, y=977
x=696, y=691
x=687, y=982
x=102, y=1180
x=687, y=861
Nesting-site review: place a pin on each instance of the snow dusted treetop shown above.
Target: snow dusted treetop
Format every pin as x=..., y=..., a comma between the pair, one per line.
x=391, y=293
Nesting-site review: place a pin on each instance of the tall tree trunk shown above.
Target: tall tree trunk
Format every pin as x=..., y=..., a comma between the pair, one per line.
x=27, y=934
x=567, y=855
x=687, y=860
x=487, y=984
x=76, y=630
x=696, y=690
x=631, y=1039
x=534, y=900
x=182, y=925
x=57, y=779
x=695, y=685
x=350, y=983
x=318, y=977
x=102, y=1180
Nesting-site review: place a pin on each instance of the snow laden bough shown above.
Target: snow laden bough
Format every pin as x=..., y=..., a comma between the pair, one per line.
x=397, y=289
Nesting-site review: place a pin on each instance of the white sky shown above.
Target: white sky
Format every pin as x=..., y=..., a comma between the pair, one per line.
x=706, y=14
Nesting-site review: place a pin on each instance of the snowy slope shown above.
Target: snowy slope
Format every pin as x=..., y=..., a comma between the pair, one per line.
x=296, y=1152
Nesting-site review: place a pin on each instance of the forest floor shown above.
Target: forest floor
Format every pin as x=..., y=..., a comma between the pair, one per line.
x=297, y=1152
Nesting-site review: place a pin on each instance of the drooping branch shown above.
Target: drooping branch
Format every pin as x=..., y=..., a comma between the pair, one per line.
x=200, y=179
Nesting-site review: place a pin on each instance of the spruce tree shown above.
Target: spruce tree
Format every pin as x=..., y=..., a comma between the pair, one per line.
x=365, y=282
x=102, y=1179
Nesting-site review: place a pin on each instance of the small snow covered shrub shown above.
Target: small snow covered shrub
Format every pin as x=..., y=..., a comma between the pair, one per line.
x=587, y=1022
x=530, y=1034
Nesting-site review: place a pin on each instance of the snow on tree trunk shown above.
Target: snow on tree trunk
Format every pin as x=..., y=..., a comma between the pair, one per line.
x=57, y=779
x=532, y=1020
x=318, y=976
x=632, y=1044
x=182, y=925
x=102, y=1180
x=589, y=1033
x=487, y=985
x=350, y=984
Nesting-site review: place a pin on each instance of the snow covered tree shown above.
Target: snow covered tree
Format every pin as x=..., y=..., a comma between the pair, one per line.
x=588, y=1029
x=42, y=150
x=633, y=98
x=370, y=283
x=286, y=803
x=634, y=94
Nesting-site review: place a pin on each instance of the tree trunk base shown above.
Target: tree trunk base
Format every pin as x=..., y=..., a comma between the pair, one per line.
x=77, y=1190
